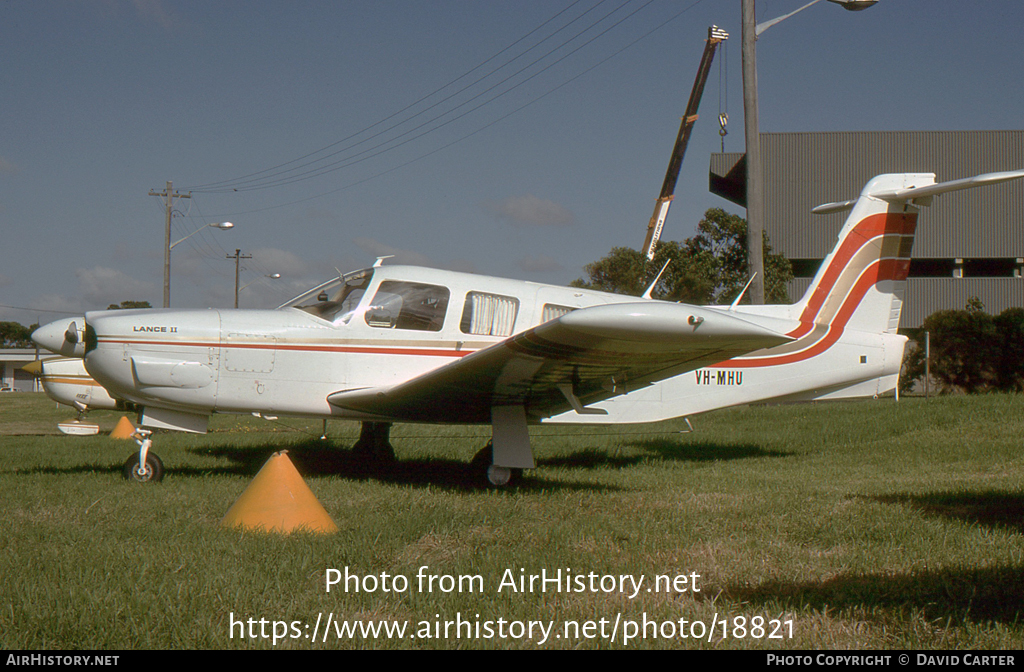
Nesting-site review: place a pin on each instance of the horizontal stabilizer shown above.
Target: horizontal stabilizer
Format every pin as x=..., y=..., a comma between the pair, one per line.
x=829, y=208
x=922, y=195
x=930, y=190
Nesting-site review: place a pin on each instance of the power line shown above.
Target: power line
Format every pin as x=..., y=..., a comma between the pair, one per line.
x=242, y=179
x=494, y=122
x=42, y=310
x=316, y=171
x=352, y=160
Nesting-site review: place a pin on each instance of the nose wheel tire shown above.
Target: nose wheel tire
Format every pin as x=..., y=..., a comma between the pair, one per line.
x=153, y=471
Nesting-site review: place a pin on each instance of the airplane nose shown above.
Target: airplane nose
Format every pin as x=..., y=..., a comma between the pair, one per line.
x=63, y=337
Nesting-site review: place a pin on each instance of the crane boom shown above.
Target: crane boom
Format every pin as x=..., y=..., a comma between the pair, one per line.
x=715, y=36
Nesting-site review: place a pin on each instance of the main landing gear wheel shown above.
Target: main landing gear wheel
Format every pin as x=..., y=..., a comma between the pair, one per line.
x=153, y=471
x=498, y=477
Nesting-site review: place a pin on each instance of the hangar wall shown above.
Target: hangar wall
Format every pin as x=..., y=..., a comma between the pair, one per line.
x=968, y=243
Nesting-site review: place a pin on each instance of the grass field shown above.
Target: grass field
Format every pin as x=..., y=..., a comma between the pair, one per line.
x=873, y=524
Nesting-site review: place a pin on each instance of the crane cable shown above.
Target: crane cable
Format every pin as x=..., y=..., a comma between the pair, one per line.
x=723, y=95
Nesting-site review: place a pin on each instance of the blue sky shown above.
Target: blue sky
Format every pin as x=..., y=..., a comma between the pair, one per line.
x=529, y=171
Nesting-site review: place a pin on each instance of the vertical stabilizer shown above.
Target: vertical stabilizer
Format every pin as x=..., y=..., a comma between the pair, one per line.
x=861, y=284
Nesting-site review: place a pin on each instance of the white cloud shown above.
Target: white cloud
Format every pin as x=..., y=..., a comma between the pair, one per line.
x=529, y=210
x=273, y=260
x=58, y=304
x=100, y=285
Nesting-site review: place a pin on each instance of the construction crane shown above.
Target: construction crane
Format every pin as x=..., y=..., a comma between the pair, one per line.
x=715, y=36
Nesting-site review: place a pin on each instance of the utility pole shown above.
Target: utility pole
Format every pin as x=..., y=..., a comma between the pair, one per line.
x=237, y=256
x=927, y=361
x=169, y=195
x=752, y=134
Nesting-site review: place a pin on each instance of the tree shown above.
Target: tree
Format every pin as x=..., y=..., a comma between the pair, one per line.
x=1010, y=332
x=710, y=268
x=16, y=335
x=125, y=305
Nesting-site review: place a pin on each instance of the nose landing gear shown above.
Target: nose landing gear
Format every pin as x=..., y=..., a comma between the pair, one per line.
x=143, y=466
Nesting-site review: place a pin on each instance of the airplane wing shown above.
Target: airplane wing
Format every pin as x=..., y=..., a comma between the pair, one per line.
x=570, y=362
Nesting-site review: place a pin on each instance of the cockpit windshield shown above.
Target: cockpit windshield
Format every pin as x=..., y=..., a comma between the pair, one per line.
x=335, y=300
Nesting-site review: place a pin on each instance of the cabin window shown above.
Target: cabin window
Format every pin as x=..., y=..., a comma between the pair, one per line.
x=408, y=305
x=552, y=311
x=489, y=314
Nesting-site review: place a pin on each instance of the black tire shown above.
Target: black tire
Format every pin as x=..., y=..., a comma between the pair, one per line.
x=154, y=469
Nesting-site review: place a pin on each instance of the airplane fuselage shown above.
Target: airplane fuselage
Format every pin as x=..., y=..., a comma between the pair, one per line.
x=65, y=381
x=183, y=365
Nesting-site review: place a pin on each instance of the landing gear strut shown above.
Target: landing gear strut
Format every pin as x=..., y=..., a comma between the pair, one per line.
x=143, y=466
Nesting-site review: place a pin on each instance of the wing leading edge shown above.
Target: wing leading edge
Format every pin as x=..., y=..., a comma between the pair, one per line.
x=570, y=362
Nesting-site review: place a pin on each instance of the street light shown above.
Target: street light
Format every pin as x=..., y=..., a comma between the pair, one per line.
x=752, y=134
x=851, y=5
x=855, y=5
x=223, y=226
x=272, y=276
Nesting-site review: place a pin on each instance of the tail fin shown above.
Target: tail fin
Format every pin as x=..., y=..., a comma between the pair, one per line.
x=861, y=284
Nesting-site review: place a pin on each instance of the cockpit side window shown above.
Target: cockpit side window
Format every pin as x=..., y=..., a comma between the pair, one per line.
x=408, y=305
x=335, y=301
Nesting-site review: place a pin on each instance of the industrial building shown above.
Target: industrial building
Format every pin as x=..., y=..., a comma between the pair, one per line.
x=968, y=243
x=13, y=378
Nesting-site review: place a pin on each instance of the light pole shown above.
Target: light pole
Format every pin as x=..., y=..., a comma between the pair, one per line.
x=272, y=276
x=223, y=226
x=752, y=136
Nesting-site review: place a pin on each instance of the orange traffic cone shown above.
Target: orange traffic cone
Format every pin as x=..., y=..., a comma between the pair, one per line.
x=123, y=429
x=278, y=500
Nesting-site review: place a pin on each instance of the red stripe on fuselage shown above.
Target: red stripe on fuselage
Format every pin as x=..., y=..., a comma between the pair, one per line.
x=879, y=271
x=368, y=350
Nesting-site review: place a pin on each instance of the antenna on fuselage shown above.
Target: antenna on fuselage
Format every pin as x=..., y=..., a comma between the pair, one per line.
x=380, y=260
x=742, y=292
x=647, y=294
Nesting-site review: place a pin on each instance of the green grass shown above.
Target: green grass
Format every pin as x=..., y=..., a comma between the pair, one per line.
x=868, y=525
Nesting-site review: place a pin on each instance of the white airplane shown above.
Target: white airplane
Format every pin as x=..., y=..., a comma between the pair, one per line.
x=65, y=380
x=404, y=344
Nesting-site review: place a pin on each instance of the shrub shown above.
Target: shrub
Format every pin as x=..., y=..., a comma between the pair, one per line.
x=971, y=351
